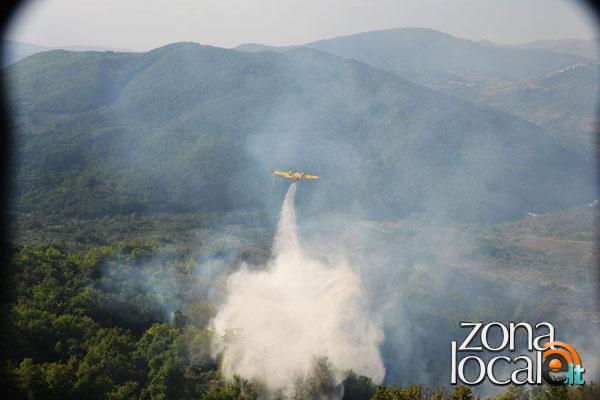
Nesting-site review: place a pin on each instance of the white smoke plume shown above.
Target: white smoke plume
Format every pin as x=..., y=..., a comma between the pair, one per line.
x=275, y=321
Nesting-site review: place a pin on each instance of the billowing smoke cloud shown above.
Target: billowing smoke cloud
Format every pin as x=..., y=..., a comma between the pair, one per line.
x=276, y=321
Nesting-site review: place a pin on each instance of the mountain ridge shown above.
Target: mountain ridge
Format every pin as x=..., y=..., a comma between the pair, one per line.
x=419, y=54
x=484, y=73
x=196, y=127
x=14, y=51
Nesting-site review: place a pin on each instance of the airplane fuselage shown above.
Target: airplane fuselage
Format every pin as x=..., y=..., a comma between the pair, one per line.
x=294, y=175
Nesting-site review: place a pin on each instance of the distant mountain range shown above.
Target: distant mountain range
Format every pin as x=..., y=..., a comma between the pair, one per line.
x=564, y=102
x=190, y=127
x=588, y=48
x=13, y=51
x=508, y=78
x=423, y=55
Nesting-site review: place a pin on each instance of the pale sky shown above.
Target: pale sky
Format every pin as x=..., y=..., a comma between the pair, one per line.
x=145, y=24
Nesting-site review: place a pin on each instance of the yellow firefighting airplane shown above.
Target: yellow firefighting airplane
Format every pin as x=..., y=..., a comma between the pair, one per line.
x=294, y=175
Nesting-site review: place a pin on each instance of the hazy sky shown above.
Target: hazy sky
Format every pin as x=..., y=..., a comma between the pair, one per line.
x=145, y=24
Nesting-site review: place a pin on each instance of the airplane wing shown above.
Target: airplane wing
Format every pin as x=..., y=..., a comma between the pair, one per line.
x=284, y=174
x=311, y=177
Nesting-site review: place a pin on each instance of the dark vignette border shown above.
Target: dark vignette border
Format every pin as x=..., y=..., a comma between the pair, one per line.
x=7, y=11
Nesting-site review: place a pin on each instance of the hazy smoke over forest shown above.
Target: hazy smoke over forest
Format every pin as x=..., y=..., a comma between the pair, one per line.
x=277, y=320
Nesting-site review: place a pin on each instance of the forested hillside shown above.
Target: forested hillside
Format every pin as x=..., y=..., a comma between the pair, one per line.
x=131, y=319
x=564, y=102
x=552, y=84
x=188, y=127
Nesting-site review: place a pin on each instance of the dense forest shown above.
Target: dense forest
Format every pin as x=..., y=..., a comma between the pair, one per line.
x=118, y=308
x=76, y=332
